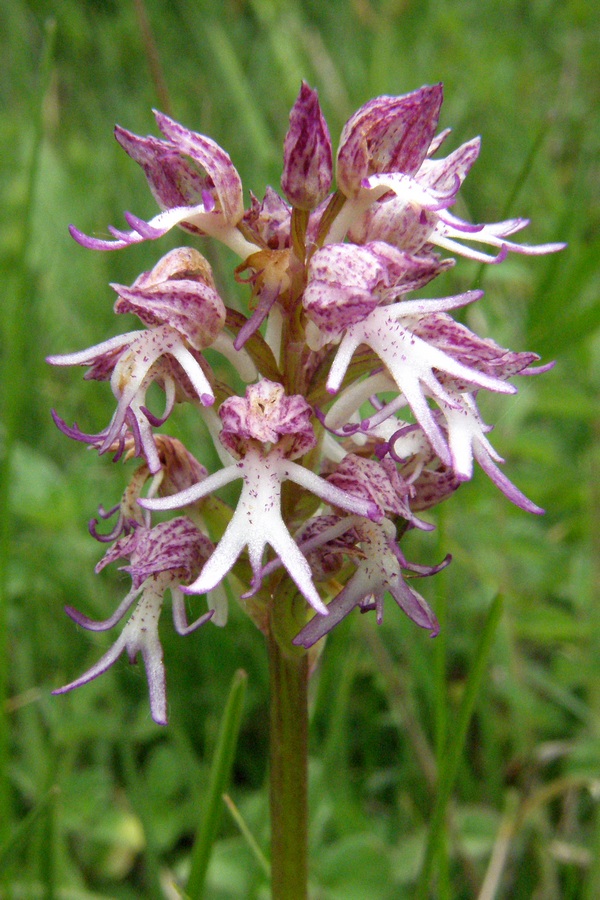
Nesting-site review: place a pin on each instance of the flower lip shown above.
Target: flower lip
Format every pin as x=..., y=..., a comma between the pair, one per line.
x=159, y=559
x=379, y=571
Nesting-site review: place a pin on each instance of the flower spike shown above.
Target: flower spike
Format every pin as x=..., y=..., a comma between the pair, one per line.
x=160, y=559
x=359, y=406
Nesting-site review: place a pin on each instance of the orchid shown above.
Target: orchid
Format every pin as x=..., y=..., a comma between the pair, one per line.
x=360, y=405
x=178, y=302
x=379, y=571
x=159, y=560
x=265, y=417
x=344, y=405
x=398, y=194
x=192, y=179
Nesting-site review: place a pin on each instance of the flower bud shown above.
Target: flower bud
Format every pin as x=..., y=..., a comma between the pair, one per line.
x=307, y=156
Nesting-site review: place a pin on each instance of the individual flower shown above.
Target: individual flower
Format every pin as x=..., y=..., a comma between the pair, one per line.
x=192, y=179
x=160, y=559
x=396, y=193
x=417, y=217
x=379, y=571
x=418, y=368
x=345, y=283
x=307, y=155
x=458, y=422
x=265, y=430
x=184, y=313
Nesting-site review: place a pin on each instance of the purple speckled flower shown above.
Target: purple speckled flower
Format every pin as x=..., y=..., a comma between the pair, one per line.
x=265, y=414
x=380, y=571
x=134, y=360
x=160, y=559
x=192, y=179
x=362, y=397
x=184, y=313
x=398, y=194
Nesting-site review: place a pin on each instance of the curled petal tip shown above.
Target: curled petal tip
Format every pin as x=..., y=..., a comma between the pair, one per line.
x=159, y=718
x=538, y=370
x=79, y=236
x=141, y=227
x=74, y=614
x=501, y=256
x=91, y=243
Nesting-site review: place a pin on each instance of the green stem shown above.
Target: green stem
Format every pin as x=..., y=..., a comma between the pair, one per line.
x=289, y=773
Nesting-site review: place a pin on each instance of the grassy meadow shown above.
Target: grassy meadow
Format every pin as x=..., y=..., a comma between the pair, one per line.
x=464, y=767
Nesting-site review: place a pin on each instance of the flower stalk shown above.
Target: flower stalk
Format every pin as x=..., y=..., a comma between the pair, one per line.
x=288, y=768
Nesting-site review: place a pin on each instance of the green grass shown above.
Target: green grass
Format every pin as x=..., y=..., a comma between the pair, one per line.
x=97, y=801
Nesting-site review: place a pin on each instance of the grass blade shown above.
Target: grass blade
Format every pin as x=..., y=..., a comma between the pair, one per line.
x=449, y=770
x=220, y=774
x=15, y=325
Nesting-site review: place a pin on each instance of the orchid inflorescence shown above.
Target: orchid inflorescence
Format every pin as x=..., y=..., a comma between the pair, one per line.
x=360, y=409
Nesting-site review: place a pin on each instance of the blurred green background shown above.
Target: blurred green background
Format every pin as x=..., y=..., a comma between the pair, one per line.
x=97, y=801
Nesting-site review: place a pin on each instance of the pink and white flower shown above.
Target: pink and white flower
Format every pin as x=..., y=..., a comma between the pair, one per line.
x=378, y=573
x=193, y=181
x=184, y=313
x=160, y=559
x=266, y=431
